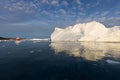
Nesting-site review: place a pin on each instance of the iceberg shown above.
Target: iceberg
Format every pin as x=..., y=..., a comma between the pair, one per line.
x=38, y=39
x=91, y=31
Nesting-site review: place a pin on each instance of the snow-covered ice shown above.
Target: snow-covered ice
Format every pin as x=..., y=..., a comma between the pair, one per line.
x=92, y=31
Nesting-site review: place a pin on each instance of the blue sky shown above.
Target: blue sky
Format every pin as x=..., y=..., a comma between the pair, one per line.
x=37, y=18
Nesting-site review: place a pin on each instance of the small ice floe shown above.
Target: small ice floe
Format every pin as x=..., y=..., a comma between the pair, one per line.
x=32, y=51
x=112, y=62
x=38, y=39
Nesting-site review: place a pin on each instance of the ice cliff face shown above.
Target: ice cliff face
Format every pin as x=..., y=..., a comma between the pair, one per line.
x=92, y=31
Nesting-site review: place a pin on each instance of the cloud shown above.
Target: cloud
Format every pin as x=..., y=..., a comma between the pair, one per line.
x=65, y=3
x=92, y=5
x=78, y=1
x=34, y=23
x=45, y=2
x=54, y=2
x=27, y=7
x=62, y=11
x=2, y=18
x=105, y=13
x=27, y=10
x=81, y=14
x=117, y=12
x=109, y=18
x=46, y=13
x=112, y=21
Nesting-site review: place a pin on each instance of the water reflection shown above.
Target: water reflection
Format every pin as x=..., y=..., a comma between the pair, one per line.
x=17, y=42
x=88, y=50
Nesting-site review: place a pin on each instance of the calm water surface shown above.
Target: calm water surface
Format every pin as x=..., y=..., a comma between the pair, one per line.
x=31, y=60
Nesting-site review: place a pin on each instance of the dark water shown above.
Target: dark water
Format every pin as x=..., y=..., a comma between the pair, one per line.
x=30, y=60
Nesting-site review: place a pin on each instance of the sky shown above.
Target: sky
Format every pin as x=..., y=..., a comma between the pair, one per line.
x=38, y=18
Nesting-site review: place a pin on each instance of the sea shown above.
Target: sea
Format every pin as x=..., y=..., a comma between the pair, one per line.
x=44, y=60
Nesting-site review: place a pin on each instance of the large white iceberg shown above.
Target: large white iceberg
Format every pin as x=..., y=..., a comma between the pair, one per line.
x=92, y=31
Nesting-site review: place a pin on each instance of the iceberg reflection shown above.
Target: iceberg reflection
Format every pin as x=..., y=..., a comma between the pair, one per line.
x=88, y=50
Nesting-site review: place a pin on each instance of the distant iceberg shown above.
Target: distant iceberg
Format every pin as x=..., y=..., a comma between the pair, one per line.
x=38, y=39
x=92, y=31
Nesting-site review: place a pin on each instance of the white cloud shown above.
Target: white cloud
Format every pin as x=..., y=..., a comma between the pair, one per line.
x=117, y=13
x=45, y=13
x=27, y=7
x=48, y=14
x=78, y=20
x=105, y=13
x=78, y=1
x=65, y=3
x=45, y=1
x=34, y=23
x=82, y=14
x=62, y=11
x=97, y=3
x=54, y=2
x=94, y=4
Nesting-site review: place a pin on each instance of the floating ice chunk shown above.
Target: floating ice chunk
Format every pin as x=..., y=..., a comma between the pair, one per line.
x=112, y=62
x=92, y=31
